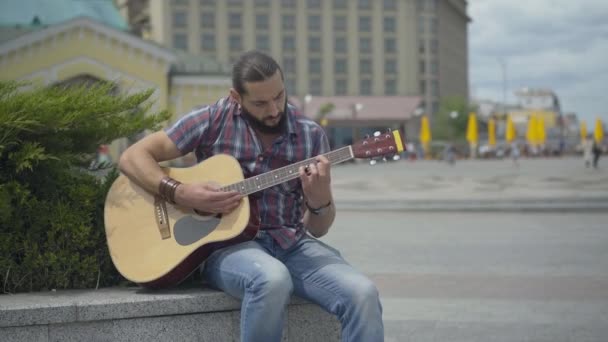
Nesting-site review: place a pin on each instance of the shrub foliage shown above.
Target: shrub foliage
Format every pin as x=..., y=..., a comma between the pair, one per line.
x=51, y=205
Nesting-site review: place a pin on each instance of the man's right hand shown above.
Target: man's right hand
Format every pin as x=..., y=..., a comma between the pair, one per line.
x=207, y=198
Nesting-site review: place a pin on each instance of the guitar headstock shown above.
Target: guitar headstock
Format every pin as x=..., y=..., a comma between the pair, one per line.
x=379, y=145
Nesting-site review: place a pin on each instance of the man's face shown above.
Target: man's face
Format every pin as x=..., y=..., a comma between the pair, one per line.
x=264, y=103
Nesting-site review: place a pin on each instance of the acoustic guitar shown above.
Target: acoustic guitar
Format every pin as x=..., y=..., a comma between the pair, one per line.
x=157, y=244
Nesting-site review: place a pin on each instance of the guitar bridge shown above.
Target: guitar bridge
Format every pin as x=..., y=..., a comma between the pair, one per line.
x=162, y=218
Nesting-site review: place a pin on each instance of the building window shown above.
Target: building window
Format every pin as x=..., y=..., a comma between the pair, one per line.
x=208, y=3
x=180, y=41
x=208, y=20
x=341, y=87
x=288, y=3
x=365, y=24
x=340, y=4
x=365, y=66
x=422, y=87
x=314, y=44
x=420, y=25
x=234, y=43
x=340, y=45
x=434, y=88
x=365, y=4
x=390, y=66
x=315, y=86
x=390, y=5
x=390, y=45
x=180, y=2
x=390, y=87
x=434, y=46
x=234, y=21
x=235, y=3
x=434, y=68
x=390, y=24
x=289, y=65
x=435, y=107
x=421, y=45
x=289, y=43
x=340, y=23
x=262, y=42
x=180, y=19
x=261, y=21
x=366, y=87
x=314, y=22
x=313, y=3
x=420, y=4
x=365, y=44
x=288, y=22
x=433, y=25
x=314, y=65
x=261, y=3
x=208, y=42
x=340, y=66
x=422, y=67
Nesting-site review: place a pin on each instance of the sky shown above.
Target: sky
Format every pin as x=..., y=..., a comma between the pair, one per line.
x=556, y=44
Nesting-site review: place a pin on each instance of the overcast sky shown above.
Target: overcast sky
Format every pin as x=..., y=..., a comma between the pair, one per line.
x=556, y=44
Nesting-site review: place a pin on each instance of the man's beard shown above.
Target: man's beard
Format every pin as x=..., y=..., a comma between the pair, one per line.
x=261, y=126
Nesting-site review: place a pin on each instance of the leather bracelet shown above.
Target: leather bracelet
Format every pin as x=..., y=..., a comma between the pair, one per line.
x=166, y=188
x=317, y=211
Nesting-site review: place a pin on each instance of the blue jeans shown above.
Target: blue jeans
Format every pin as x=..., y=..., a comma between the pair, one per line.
x=264, y=276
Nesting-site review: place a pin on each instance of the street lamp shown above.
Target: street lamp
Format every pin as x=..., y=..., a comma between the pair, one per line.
x=307, y=100
x=453, y=115
x=356, y=109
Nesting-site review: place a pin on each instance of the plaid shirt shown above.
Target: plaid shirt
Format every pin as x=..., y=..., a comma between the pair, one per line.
x=221, y=129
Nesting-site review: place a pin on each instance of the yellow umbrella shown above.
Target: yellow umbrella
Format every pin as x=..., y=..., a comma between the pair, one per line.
x=510, y=133
x=425, y=134
x=472, y=129
x=532, y=131
x=541, y=135
x=492, y=133
x=583, y=131
x=598, y=132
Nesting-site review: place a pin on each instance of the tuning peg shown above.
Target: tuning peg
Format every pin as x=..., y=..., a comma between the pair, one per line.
x=377, y=133
x=366, y=136
x=373, y=162
x=388, y=130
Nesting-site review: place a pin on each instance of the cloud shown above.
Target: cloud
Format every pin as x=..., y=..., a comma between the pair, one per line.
x=561, y=45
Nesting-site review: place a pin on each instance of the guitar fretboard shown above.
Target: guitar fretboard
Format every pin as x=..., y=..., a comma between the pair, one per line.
x=286, y=173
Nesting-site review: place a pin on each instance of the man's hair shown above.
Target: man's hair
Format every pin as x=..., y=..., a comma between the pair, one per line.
x=253, y=66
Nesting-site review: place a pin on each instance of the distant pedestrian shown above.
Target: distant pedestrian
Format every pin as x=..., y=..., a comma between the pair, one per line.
x=597, y=151
x=587, y=150
x=515, y=153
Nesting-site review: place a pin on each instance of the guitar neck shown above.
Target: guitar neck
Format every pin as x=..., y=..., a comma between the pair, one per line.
x=286, y=173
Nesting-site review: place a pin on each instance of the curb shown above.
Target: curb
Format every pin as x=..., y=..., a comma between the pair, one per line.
x=514, y=205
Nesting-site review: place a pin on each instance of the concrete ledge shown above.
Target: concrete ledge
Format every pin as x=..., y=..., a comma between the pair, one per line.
x=134, y=314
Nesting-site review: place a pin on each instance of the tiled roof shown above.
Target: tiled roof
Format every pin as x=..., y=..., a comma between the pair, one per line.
x=371, y=107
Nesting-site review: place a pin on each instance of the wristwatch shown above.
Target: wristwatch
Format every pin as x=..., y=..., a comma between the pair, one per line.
x=318, y=211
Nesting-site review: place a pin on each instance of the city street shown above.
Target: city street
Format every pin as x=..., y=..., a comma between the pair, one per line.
x=480, y=276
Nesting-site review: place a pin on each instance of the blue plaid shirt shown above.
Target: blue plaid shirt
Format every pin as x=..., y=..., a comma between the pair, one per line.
x=220, y=128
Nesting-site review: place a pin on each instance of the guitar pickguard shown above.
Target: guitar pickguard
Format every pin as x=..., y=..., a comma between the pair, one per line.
x=189, y=229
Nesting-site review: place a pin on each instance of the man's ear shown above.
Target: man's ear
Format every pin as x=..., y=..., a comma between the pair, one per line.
x=235, y=95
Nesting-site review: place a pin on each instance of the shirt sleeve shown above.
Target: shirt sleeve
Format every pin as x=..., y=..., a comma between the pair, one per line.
x=195, y=128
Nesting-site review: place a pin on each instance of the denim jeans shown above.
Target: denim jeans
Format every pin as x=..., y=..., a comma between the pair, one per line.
x=264, y=276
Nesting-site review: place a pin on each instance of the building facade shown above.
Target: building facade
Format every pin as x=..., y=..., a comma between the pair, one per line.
x=331, y=48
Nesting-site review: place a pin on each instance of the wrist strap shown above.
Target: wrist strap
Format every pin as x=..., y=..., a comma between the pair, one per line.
x=318, y=210
x=166, y=188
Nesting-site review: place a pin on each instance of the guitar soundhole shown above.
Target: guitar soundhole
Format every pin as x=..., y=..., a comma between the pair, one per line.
x=206, y=214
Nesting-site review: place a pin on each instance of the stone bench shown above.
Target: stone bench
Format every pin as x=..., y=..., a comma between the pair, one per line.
x=134, y=314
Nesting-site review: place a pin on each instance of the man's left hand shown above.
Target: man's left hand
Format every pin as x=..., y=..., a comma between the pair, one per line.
x=316, y=182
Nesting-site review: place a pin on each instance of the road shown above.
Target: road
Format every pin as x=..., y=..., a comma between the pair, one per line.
x=483, y=276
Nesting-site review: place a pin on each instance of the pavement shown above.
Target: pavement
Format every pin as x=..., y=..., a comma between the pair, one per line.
x=472, y=185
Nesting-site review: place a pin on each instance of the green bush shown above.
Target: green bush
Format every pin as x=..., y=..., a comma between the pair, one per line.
x=51, y=207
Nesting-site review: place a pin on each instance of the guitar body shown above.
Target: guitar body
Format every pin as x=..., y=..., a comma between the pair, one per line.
x=157, y=244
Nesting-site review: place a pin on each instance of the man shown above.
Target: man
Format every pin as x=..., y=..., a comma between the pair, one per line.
x=257, y=126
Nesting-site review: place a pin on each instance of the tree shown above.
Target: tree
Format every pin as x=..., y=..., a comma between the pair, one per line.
x=51, y=207
x=445, y=127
